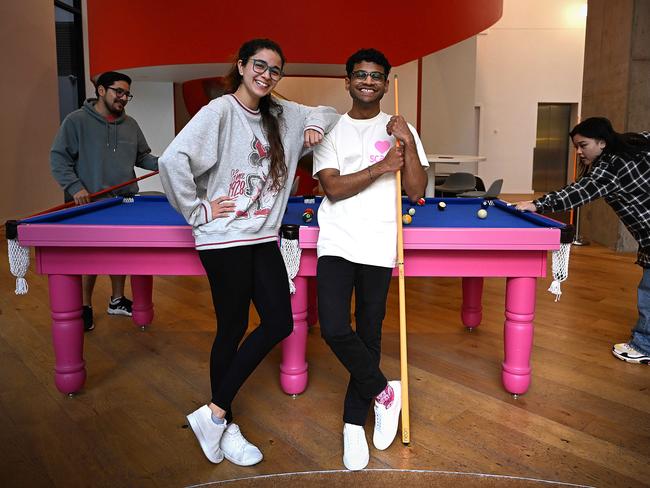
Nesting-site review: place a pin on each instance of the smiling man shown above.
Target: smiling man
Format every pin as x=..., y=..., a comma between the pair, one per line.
x=97, y=147
x=357, y=246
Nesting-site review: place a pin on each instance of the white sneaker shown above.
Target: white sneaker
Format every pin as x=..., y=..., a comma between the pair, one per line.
x=355, y=447
x=237, y=449
x=386, y=419
x=208, y=433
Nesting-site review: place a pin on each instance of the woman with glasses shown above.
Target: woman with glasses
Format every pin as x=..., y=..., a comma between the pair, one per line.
x=229, y=173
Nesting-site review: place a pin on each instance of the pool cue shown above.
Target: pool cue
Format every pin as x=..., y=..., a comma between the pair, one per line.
x=96, y=194
x=406, y=434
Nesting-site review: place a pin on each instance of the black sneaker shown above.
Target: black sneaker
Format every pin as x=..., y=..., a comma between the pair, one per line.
x=120, y=306
x=87, y=314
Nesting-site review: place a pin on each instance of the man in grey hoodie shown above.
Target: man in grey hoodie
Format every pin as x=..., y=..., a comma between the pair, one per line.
x=97, y=147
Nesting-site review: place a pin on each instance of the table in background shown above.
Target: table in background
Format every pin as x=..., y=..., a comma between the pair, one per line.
x=448, y=159
x=453, y=242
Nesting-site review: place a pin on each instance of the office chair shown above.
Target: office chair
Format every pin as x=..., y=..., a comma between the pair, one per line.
x=458, y=183
x=492, y=192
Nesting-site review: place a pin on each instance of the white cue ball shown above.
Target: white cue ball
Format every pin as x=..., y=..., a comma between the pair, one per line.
x=482, y=213
x=411, y=211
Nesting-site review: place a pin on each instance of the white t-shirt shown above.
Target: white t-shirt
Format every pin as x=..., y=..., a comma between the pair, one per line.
x=361, y=228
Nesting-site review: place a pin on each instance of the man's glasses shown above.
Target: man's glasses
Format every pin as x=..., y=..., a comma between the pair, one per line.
x=122, y=93
x=375, y=75
x=260, y=66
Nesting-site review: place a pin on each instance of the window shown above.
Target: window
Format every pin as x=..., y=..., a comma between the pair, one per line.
x=69, y=55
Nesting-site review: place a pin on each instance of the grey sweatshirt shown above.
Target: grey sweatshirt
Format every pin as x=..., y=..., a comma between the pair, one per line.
x=90, y=152
x=223, y=151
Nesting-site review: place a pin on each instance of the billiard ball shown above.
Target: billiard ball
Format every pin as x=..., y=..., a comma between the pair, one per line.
x=485, y=204
x=442, y=205
x=421, y=201
x=411, y=211
x=407, y=219
x=308, y=215
x=482, y=213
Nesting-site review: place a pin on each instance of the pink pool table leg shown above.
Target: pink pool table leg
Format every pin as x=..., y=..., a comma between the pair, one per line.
x=293, y=369
x=142, y=287
x=472, y=311
x=518, y=334
x=67, y=332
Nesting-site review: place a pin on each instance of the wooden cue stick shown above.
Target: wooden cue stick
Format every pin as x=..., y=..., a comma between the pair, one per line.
x=406, y=434
x=96, y=194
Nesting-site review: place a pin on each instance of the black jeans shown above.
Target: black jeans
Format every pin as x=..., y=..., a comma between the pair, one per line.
x=239, y=275
x=360, y=351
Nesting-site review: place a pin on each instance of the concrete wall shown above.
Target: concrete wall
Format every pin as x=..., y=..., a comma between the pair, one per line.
x=617, y=86
x=30, y=112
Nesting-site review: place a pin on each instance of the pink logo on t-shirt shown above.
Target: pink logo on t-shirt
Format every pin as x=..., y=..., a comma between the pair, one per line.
x=382, y=146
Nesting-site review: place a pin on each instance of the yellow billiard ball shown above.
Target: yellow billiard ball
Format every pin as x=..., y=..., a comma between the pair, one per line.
x=482, y=213
x=407, y=219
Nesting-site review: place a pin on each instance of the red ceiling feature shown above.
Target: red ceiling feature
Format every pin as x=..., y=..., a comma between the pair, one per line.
x=154, y=32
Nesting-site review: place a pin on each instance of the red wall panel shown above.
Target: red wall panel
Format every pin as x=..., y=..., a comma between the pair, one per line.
x=157, y=32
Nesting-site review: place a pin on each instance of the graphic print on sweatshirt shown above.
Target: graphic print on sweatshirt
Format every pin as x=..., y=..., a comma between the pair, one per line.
x=259, y=153
x=253, y=185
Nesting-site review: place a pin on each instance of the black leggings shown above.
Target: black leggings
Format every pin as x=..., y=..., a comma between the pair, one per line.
x=238, y=275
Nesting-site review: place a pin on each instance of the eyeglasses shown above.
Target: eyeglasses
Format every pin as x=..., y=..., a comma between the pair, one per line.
x=362, y=75
x=260, y=66
x=121, y=93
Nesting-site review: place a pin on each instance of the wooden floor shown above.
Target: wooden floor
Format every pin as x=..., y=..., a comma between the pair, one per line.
x=585, y=419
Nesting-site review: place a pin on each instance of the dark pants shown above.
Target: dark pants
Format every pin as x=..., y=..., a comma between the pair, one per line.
x=238, y=275
x=360, y=351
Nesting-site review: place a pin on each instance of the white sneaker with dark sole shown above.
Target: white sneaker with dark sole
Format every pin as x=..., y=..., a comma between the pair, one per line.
x=625, y=352
x=207, y=433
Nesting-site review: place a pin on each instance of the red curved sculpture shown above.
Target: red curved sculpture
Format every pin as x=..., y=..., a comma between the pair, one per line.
x=153, y=33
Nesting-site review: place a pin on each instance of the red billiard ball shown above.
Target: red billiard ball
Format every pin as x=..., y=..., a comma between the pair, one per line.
x=421, y=201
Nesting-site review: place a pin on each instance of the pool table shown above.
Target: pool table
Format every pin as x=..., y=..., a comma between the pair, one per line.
x=450, y=242
x=147, y=237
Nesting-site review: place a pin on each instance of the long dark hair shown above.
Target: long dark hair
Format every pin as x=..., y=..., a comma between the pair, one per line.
x=270, y=110
x=628, y=144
